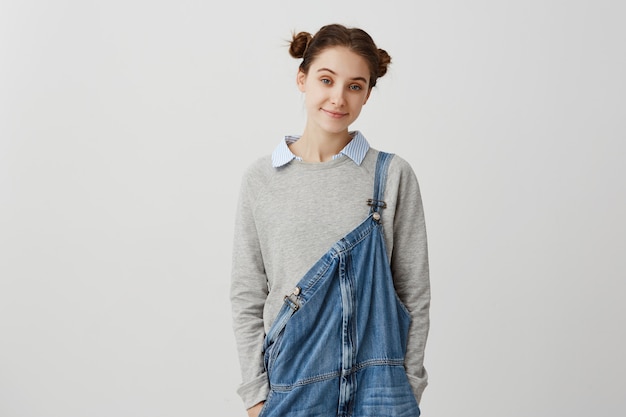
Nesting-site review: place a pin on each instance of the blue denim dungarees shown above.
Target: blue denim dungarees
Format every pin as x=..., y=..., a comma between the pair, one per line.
x=337, y=346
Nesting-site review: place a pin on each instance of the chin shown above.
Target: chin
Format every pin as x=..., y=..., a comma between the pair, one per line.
x=335, y=128
x=335, y=131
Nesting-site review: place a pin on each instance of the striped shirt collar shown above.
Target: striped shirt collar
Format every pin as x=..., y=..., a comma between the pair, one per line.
x=355, y=150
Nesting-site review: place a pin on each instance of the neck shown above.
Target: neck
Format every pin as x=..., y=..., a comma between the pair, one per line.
x=316, y=146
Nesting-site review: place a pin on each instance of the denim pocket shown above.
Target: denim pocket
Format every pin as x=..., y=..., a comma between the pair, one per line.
x=401, y=307
x=266, y=404
x=271, y=353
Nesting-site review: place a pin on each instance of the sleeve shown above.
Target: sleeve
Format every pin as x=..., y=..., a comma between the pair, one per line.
x=248, y=293
x=410, y=269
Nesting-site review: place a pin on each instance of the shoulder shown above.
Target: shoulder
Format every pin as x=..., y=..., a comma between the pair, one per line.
x=260, y=170
x=399, y=168
x=401, y=179
x=257, y=175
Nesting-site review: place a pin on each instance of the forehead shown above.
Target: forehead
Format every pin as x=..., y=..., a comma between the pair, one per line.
x=342, y=61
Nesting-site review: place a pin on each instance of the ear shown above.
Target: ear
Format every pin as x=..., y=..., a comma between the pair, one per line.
x=300, y=80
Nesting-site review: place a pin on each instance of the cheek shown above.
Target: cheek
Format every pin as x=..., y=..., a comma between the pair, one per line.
x=359, y=101
x=311, y=101
x=314, y=96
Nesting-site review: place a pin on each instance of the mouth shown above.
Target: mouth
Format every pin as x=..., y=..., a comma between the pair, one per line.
x=334, y=114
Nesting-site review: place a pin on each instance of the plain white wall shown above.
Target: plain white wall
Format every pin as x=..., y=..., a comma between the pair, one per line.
x=125, y=127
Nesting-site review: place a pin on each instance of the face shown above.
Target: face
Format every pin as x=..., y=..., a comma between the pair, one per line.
x=336, y=88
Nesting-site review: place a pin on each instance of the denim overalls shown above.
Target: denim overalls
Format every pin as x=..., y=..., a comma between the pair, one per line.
x=337, y=346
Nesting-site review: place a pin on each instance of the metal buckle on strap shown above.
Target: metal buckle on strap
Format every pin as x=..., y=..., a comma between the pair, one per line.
x=376, y=206
x=292, y=299
x=376, y=203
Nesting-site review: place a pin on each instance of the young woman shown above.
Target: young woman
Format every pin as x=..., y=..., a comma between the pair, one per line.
x=330, y=288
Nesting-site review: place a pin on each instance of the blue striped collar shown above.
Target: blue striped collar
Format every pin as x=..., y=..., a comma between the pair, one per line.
x=355, y=150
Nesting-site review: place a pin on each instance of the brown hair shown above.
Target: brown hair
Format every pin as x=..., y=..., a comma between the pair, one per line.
x=304, y=45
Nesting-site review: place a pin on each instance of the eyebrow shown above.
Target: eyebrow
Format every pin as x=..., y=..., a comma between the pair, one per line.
x=334, y=73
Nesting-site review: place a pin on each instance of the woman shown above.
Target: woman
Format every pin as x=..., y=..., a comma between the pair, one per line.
x=330, y=288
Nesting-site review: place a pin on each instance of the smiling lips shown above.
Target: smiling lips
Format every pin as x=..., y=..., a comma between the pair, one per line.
x=334, y=114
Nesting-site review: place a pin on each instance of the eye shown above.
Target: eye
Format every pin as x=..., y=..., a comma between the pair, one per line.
x=356, y=87
x=325, y=81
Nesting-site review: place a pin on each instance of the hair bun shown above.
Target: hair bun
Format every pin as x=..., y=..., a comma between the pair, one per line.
x=299, y=44
x=383, y=62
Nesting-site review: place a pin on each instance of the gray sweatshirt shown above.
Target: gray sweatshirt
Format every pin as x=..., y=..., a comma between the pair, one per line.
x=288, y=217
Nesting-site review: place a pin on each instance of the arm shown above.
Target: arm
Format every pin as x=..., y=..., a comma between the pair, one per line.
x=409, y=265
x=248, y=294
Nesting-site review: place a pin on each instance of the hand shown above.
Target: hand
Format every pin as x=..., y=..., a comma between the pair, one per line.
x=255, y=410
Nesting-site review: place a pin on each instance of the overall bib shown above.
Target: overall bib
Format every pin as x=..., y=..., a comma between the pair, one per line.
x=337, y=346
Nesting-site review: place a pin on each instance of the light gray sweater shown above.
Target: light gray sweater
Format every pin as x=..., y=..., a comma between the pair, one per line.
x=288, y=217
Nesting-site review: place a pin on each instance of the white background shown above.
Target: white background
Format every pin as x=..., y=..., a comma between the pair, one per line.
x=125, y=127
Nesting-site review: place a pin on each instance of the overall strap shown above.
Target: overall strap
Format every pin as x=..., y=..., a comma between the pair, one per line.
x=380, y=178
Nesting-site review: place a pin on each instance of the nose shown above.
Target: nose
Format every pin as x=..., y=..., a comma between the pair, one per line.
x=337, y=96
